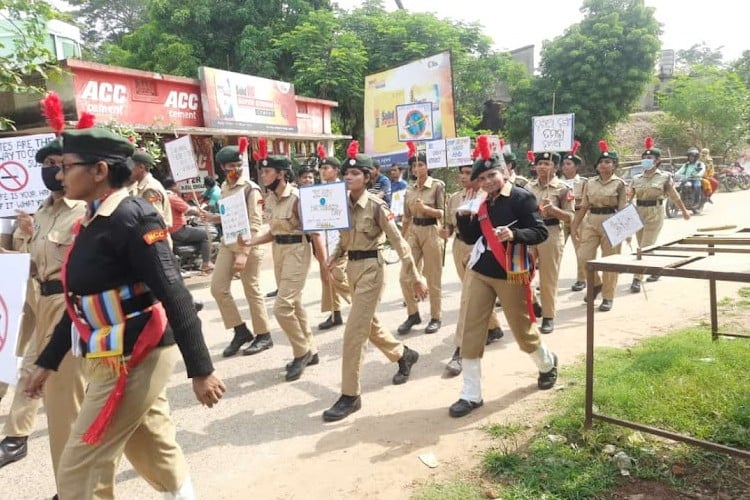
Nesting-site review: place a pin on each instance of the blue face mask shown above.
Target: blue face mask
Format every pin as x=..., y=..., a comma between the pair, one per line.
x=647, y=163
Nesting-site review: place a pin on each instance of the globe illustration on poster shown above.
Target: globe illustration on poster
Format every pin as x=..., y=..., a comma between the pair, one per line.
x=414, y=121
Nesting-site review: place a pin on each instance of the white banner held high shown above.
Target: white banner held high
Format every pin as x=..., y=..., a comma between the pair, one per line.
x=552, y=132
x=15, y=271
x=181, y=158
x=21, y=185
x=324, y=206
x=436, y=154
x=458, y=151
x=234, y=220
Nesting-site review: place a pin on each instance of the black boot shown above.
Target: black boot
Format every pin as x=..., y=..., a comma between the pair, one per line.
x=578, y=286
x=260, y=343
x=597, y=291
x=411, y=320
x=333, y=320
x=635, y=286
x=547, y=380
x=548, y=325
x=313, y=361
x=13, y=449
x=494, y=334
x=345, y=406
x=297, y=368
x=407, y=360
x=454, y=367
x=241, y=337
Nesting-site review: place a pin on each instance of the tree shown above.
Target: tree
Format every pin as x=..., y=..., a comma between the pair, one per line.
x=597, y=69
x=26, y=57
x=108, y=21
x=699, y=54
x=742, y=67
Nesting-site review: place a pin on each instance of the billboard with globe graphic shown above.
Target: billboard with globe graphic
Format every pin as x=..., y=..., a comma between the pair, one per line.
x=413, y=102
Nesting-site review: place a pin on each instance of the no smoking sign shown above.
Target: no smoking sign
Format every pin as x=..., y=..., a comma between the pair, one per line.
x=13, y=176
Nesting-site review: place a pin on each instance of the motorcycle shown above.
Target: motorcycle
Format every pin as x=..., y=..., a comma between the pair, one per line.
x=687, y=193
x=733, y=178
x=189, y=256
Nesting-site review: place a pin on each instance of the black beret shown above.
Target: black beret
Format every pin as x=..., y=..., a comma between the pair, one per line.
x=278, y=162
x=332, y=161
x=481, y=165
x=547, y=155
x=361, y=161
x=418, y=157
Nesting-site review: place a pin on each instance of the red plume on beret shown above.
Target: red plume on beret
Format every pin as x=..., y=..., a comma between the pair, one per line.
x=321, y=151
x=353, y=150
x=530, y=156
x=502, y=146
x=483, y=146
x=603, y=146
x=412, y=149
x=475, y=153
x=262, y=152
x=53, y=111
x=85, y=121
x=576, y=145
x=242, y=145
x=649, y=142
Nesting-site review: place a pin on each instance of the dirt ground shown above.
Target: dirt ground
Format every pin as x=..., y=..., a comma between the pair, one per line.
x=266, y=439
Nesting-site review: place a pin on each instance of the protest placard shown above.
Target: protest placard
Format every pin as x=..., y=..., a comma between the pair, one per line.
x=552, y=132
x=623, y=224
x=458, y=151
x=324, y=206
x=21, y=185
x=494, y=141
x=181, y=158
x=234, y=220
x=14, y=269
x=436, y=154
x=397, y=202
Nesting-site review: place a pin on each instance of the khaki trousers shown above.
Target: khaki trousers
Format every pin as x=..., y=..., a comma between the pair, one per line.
x=478, y=303
x=653, y=220
x=592, y=237
x=580, y=270
x=367, y=282
x=461, y=253
x=550, y=254
x=427, y=252
x=221, y=289
x=291, y=263
x=22, y=412
x=336, y=289
x=141, y=428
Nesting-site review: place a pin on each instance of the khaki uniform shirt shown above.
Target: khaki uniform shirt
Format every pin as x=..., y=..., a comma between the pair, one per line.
x=153, y=191
x=518, y=180
x=283, y=211
x=558, y=193
x=432, y=194
x=576, y=184
x=657, y=186
x=255, y=202
x=597, y=193
x=456, y=200
x=53, y=235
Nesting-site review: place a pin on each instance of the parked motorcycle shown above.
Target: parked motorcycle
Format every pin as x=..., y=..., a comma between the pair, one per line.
x=688, y=195
x=733, y=178
x=189, y=256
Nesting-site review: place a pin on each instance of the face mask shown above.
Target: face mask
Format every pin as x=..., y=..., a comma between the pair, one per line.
x=49, y=175
x=647, y=163
x=234, y=175
x=273, y=185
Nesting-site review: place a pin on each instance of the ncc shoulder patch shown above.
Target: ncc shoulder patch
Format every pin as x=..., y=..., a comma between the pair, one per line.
x=155, y=235
x=152, y=196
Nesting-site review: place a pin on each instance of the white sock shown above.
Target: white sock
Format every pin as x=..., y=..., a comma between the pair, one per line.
x=185, y=492
x=543, y=359
x=472, y=372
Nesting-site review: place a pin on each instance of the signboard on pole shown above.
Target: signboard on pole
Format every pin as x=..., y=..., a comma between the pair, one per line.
x=324, y=206
x=552, y=132
x=21, y=185
x=458, y=151
x=436, y=154
x=15, y=271
x=181, y=158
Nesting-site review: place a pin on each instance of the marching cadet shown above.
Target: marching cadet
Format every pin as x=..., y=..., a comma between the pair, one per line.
x=649, y=190
x=423, y=211
x=234, y=258
x=145, y=185
x=571, y=164
x=371, y=223
x=506, y=224
x=469, y=193
x=555, y=204
x=511, y=166
x=603, y=196
x=336, y=285
x=124, y=294
x=291, y=260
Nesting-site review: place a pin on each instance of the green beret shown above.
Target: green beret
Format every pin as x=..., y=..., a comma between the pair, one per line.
x=96, y=141
x=278, y=162
x=228, y=154
x=574, y=158
x=361, y=161
x=509, y=157
x=481, y=165
x=547, y=155
x=653, y=151
x=51, y=148
x=332, y=161
x=608, y=154
x=143, y=157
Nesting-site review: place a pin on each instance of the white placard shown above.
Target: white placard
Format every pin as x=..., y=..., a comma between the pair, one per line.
x=494, y=142
x=458, y=151
x=324, y=206
x=397, y=202
x=414, y=121
x=234, y=220
x=472, y=205
x=436, y=154
x=623, y=224
x=21, y=185
x=181, y=158
x=552, y=132
x=14, y=269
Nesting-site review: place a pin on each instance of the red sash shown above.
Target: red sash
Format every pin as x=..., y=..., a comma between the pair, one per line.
x=524, y=276
x=149, y=338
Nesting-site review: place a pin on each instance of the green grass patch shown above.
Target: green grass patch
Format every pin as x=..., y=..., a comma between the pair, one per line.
x=458, y=490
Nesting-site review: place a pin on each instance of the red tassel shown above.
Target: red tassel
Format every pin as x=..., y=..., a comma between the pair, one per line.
x=576, y=145
x=603, y=146
x=412, y=149
x=530, y=156
x=242, y=145
x=99, y=426
x=321, y=151
x=353, y=149
x=85, y=121
x=52, y=110
x=483, y=145
x=649, y=143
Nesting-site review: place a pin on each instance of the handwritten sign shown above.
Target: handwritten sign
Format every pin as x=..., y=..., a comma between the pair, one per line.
x=472, y=205
x=15, y=271
x=623, y=224
x=494, y=141
x=436, y=154
x=397, y=202
x=21, y=185
x=552, y=132
x=458, y=151
x=181, y=158
x=234, y=220
x=414, y=121
x=324, y=206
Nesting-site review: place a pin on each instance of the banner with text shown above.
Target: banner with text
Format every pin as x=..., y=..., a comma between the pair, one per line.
x=552, y=132
x=324, y=206
x=181, y=158
x=458, y=151
x=234, y=220
x=21, y=185
x=436, y=154
x=14, y=269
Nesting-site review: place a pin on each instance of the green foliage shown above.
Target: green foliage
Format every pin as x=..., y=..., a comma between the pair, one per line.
x=742, y=67
x=108, y=21
x=460, y=490
x=699, y=54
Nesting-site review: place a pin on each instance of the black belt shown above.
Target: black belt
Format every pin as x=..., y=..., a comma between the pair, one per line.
x=648, y=203
x=460, y=237
x=429, y=221
x=551, y=222
x=362, y=254
x=53, y=287
x=287, y=239
x=602, y=210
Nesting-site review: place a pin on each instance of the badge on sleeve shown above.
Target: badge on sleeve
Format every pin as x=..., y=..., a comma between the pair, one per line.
x=155, y=235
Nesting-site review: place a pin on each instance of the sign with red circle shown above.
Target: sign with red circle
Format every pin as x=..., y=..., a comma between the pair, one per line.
x=13, y=176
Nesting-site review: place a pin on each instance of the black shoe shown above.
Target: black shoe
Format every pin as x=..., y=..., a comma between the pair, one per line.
x=548, y=325
x=547, y=380
x=635, y=286
x=454, y=366
x=13, y=449
x=433, y=326
x=241, y=337
x=411, y=320
x=606, y=305
x=313, y=361
x=498, y=303
x=710, y=201
x=462, y=407
x=260, y=343
x=272, y=294
x=408, y=359
x=537, y=309
x=494, y=334
x=345, y=406
x=652, y=278
x=597, y=291
x=297, y=366
x=333, y=320
x=198, y=305
x=578, y=286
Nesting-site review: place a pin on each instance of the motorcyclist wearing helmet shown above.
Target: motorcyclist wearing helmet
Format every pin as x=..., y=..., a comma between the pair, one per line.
x=693, y=170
